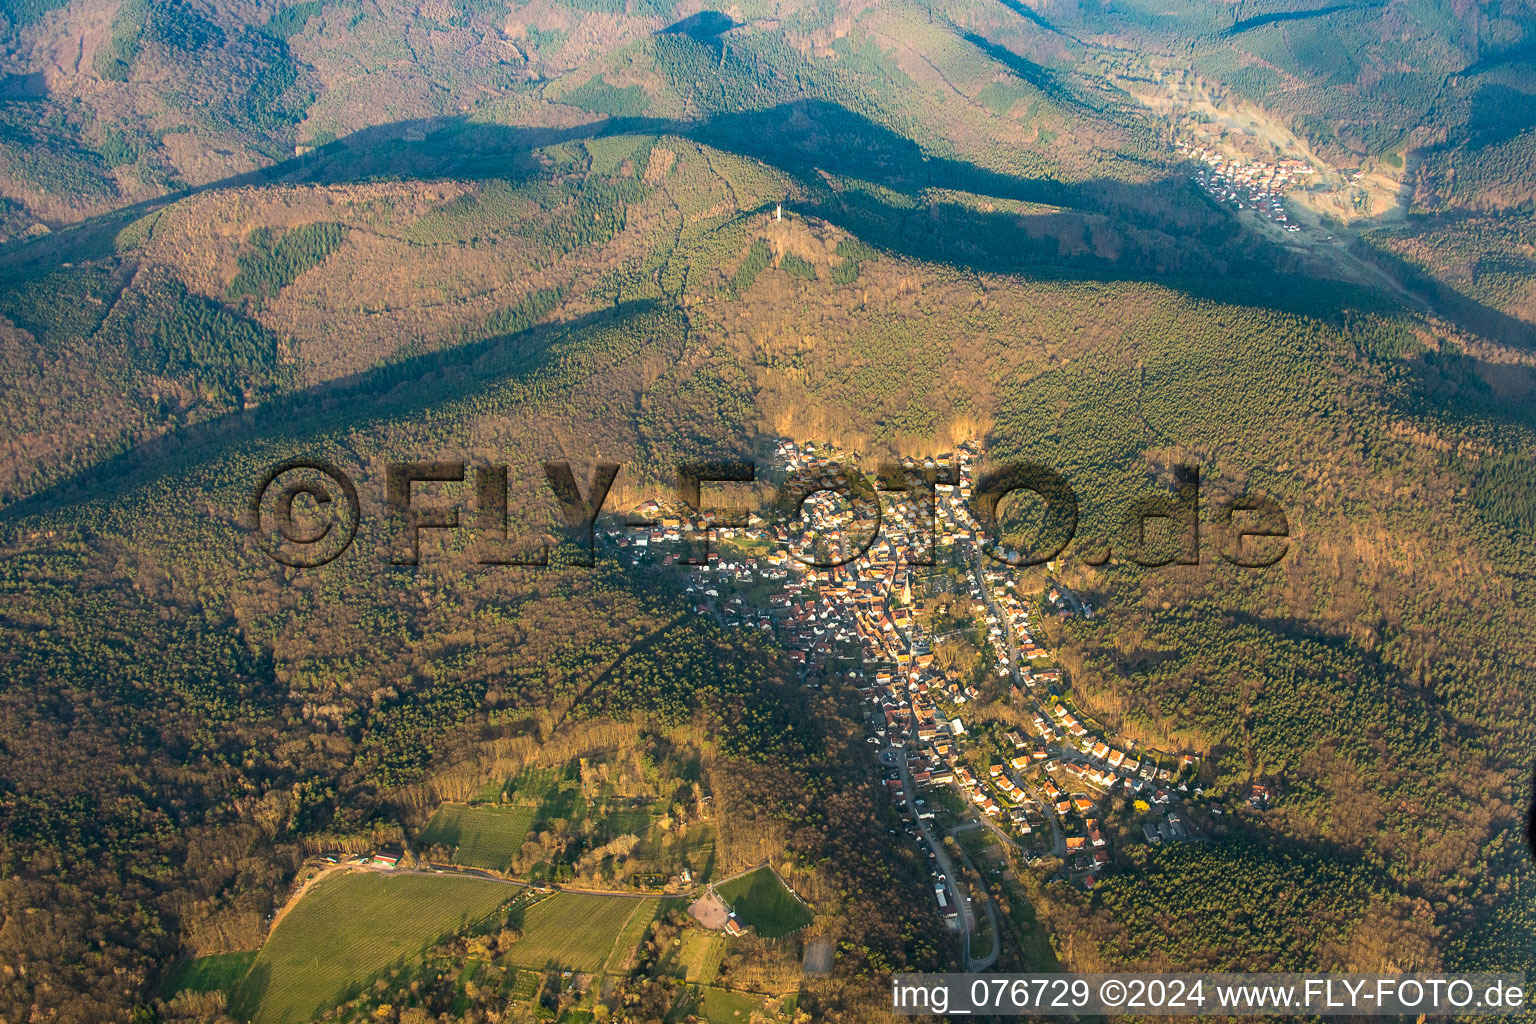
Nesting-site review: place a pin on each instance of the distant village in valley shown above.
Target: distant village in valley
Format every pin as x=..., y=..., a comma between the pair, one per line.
x=924, y=646
x=1248, y=184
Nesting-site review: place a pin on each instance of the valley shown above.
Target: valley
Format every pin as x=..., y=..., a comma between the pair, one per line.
x=748, y=761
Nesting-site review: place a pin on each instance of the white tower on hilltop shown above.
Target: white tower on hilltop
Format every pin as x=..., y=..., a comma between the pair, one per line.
x=778, y=212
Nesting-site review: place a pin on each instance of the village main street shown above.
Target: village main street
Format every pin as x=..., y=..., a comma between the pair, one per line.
x=964, y=900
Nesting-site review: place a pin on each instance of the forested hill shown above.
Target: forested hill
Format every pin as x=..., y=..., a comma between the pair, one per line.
x=634, y=297
x=603, y=232
x=111, y=103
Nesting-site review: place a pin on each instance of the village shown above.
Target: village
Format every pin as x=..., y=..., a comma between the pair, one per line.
x=1249, y=184
x=874, y=598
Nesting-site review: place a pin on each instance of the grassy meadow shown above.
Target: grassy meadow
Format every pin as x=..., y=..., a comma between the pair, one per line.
x=722, y=1006
x=221, y=971
x=350, y=928
x=481, y=837
x=696, y=959
x=582, y=931
x=762, y=902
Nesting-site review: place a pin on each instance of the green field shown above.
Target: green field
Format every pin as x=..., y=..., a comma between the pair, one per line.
x=488, y=835
x=722, y=1006
x=553, y=789
x=579, y=931
x=351, y=928
x=696, y=959
x=761, y=901
x=522, y=985
x=206, y=973
x=490, y=792
x=482, y=837
x=634, y=931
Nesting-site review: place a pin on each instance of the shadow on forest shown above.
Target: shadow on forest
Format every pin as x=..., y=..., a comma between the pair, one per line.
x=1030, y=14
x=874, y=183
x=843, y=168
x=851, y=172
x=399, y=389
x=1530, y=824
x=1037, y=75
x=1493, y=324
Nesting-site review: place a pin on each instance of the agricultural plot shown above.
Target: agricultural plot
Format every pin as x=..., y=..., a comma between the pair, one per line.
x=761, y=902
x=578, y=931
x=696, y=958
x=556, y=793
x=535, y=786
x=722, y=1006
x=619, y=960
x=349, y=929
x=481, y=837
x=522, y=985
x=489, y=793
x=630, y=821
x=221, y=971
x=604, y=802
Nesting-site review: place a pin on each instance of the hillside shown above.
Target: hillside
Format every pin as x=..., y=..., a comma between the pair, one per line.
x=686, y=366
x=216, y=94
x=638, y=234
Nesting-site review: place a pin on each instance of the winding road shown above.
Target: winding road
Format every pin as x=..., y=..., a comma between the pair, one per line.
x=966, y=909
x=987, y=905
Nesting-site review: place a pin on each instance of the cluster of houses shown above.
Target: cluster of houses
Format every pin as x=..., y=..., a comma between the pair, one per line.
x=1077, y=768
x=855, y=621
x=1248, y=185
x=841, y=583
